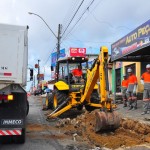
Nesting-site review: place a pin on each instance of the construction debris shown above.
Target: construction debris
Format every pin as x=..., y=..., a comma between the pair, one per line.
x=81, y=129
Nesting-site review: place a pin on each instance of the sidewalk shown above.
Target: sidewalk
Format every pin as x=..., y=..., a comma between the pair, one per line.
x=134, y=114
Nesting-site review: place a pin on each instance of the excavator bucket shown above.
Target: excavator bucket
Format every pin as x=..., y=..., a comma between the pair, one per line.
x=106, y=121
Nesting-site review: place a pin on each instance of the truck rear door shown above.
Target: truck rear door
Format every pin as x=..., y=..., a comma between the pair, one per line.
x=9, y=45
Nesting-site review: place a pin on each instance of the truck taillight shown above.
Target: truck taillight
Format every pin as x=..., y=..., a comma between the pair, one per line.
x=10, y=97
x=3, y=97
x=6, y=97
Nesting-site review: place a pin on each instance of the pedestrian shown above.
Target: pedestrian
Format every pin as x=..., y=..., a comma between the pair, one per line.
x=146, y=94
x=124, y=87
x=131, y=90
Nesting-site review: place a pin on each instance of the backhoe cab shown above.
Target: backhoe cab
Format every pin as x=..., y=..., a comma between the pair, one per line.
x=69, y=94
x=69, y=89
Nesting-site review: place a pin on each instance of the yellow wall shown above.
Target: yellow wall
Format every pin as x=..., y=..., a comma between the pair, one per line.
x=138, y=73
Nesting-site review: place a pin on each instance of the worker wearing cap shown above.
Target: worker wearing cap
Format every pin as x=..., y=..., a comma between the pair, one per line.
x=124, y=87
x=131, y=90
x=146, y=94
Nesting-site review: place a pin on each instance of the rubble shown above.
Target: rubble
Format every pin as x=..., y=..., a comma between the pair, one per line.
x=130, y=133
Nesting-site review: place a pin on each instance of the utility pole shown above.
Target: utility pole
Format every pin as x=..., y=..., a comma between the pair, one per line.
x=58, y=47
x=58, y=40
x=38, y=70
x=34, y=81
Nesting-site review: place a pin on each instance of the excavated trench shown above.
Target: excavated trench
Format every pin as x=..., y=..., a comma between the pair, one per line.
x=130, y=133
x=81, y=130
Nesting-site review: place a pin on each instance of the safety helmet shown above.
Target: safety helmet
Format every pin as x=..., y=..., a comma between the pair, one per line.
x=129, y=70
x=147, y=66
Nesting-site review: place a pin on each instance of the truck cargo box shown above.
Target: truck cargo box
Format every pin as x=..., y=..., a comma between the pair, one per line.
x=13, y=54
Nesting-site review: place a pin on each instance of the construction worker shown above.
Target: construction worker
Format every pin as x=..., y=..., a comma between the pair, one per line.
x=146, y=95
x=77, y=74
x=131, y=90
x=124, y=87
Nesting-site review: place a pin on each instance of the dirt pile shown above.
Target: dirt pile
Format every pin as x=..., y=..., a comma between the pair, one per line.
x=81, y=129
x=43, y=131
x=38, y=127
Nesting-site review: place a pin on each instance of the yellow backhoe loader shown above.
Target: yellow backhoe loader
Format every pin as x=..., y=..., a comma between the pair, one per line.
x=69, y=94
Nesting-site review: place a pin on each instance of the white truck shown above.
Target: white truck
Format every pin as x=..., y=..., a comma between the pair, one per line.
x=14, y=105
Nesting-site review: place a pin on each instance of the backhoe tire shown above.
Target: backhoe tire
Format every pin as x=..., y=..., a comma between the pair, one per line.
x=59, y=97
x=50, y=101
x=94, y=99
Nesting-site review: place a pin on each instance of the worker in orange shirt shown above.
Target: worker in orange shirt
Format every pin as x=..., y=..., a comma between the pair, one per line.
x=77, y=74
x=124, y=87
x=131, y=90
x=146, y=95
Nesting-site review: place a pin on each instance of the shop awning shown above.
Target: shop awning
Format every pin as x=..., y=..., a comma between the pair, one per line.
x=135, y=46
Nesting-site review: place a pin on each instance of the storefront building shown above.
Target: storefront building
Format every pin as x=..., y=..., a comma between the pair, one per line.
x=131, y=51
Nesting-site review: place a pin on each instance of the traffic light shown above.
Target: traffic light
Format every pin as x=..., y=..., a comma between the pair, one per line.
x=31, y=74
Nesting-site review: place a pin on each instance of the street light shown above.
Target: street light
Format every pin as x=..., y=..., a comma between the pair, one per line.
x=30, y=13
x=57, y=37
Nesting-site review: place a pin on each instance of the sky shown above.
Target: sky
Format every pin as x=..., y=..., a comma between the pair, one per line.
x=103, y=23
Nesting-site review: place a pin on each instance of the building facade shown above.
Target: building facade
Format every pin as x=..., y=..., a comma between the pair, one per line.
x=120, y=68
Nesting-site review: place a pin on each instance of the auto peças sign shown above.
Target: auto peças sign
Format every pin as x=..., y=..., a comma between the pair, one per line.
x=134, y=41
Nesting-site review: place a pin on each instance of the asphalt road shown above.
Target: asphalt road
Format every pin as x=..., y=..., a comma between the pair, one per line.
x=42, y=136
x=34, y=140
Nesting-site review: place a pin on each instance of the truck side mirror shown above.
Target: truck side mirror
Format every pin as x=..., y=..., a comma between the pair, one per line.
x=31, y=74
x=52, y=68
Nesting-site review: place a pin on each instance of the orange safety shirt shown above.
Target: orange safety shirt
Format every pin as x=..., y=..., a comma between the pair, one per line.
x=77, y=72
x=146, y=77
x=132, y=79
x=125, y=83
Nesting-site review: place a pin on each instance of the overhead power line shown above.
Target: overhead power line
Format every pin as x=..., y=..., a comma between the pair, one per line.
x=79, y=18
x=70, y=13
x=49, y=55
x=83, y=20
x=73, y=17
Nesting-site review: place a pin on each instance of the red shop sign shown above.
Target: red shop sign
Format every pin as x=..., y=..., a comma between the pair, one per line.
x=77, y=52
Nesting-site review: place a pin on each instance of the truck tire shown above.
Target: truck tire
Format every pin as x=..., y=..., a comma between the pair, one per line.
x=27, y=108
x=21, y=139
x=59, y=97
x=94, y=99
x=5, y=139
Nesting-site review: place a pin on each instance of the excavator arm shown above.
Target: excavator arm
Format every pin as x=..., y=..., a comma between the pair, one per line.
x=106, y=117
x=99, y=72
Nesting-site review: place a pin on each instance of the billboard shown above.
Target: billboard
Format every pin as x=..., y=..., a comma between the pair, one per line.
x=54, y=57
x=74, y=52
x=40, y=77
x=135, y=40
